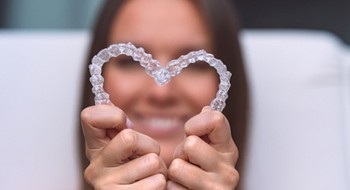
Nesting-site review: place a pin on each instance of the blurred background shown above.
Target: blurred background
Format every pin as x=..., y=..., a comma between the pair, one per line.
x=300, y=94
x=333, y=16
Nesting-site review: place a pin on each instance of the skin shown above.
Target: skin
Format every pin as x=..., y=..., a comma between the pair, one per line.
x=173, y=143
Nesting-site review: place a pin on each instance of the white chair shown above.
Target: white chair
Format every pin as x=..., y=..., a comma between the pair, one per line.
x=300, y=126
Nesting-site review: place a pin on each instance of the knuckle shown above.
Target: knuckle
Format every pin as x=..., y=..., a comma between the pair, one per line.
x=89, y=173
x=232, y=176
x=217, y=118
x=118, y=118
x=191, y=143
x=153, y=161
x=232, y=156
x=85, y=114
x=96, y=180
x=228, y=179
x=128, y=138
x=175, y=167
x=159, y=181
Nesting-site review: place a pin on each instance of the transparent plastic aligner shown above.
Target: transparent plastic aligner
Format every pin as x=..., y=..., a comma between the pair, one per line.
x=153, y=68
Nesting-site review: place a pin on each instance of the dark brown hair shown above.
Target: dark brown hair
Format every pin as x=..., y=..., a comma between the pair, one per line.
x=223, y=23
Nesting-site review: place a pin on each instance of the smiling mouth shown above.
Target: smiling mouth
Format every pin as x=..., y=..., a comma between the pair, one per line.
x=160, y=122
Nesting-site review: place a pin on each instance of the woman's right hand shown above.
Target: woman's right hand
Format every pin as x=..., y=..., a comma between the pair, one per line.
x=120, y=158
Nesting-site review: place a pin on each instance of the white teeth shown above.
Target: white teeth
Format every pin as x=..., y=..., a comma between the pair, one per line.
x=162, y=122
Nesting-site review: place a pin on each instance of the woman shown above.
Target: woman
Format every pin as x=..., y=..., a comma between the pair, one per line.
x=173, y=143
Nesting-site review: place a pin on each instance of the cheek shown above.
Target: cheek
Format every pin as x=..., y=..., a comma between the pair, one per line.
x=123, y=88
x=201, y=90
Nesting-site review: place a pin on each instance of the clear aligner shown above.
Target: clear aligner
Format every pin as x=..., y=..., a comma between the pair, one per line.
x=162, y=75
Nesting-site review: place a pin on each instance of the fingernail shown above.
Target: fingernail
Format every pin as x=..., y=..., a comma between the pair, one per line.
x=206, y=109
x=129, y=123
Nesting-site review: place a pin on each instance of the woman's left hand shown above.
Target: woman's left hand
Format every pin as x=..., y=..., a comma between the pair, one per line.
x=206, y=158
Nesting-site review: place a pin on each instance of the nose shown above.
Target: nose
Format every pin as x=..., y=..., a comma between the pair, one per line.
x=162, y=95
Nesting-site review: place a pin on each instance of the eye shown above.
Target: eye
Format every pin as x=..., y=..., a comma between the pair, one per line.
x=125, y=62
x=199, y=66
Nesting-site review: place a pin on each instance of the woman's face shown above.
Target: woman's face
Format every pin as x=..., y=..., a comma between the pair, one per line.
x=165, y=29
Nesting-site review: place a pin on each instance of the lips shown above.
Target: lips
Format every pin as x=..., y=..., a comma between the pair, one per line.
x=159, y=125
x=162, y=123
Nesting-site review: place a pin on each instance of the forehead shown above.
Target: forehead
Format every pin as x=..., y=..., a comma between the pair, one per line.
x=159, y=22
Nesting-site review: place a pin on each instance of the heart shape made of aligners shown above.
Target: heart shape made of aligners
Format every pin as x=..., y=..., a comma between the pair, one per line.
x=153, y=68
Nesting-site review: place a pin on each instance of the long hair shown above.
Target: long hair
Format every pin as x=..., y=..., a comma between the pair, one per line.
x=223, y=23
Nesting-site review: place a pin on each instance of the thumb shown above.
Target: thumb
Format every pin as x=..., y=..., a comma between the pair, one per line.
x=213, y=127
x=101, y=123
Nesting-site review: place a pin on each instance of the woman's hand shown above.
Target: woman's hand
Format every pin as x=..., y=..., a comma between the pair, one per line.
x=120, y=158
x=206, y=158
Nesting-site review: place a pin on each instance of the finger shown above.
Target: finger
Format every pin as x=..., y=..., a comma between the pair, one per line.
x=140, y=168
x=108, y=180
x=198, y=152
x=154, y=182
x=175, y=186
x=96, y=120
x=126, y=145
x=187, y=174
x=213, y=125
